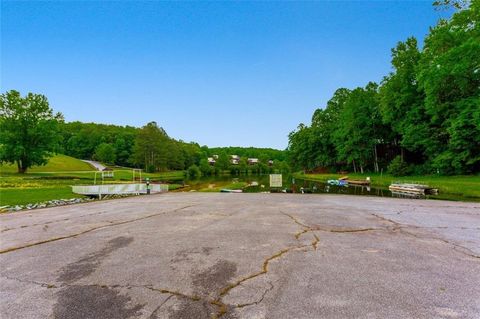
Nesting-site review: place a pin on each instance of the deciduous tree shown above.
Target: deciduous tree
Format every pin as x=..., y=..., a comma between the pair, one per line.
x=28, y=129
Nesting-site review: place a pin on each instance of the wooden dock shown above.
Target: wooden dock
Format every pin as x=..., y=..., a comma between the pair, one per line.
x=363, y=182
x=416, y=189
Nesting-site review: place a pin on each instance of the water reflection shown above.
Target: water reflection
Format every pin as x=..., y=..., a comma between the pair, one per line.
x=260, y=183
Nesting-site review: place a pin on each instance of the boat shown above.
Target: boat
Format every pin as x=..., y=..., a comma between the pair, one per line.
x=364, y=182
x=226, y=190
x=411, y=188
x=337, y=182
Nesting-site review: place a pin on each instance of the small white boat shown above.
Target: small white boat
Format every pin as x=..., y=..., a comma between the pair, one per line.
x=226, y=190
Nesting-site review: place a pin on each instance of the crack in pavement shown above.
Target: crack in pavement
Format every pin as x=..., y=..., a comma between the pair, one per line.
x=347, y=230
x=33, y=282
x=307, y=229
x=264, y=270
x=170, y=292
x=90, y=230
x=221, y=307
x=153, y=315
x=257, y=301
x=54, y=221
x=402, y=229
x=461, y=249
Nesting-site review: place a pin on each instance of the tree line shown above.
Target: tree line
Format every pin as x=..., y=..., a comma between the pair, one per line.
x=148, y=147
x=223, y=161
x=30, y=132
x=423, y=117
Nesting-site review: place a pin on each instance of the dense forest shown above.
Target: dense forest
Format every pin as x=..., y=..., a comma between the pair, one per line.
x=151, y=148
x=423, y=117
x=148, y=147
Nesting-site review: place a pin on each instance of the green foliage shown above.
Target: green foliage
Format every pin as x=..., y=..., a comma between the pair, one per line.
x=205, y=168
x=249, y=152
x=193, y=171
x=223, y=161
x=427, y=110
x=151, y=147
x=105, y=153
x=28, y=130
x=398, y=167
x=80, y=140
x=224, y=164
x=360, y=128
x=400, y=100
x=56, y=163
x=150, y=168
x=464, y=187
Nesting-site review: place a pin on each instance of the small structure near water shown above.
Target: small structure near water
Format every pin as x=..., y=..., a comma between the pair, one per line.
x=363, y=182
x=118, y=189
x=412, y=189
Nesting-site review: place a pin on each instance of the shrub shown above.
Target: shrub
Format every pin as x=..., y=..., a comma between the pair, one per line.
x=193, y=171
x=398, y=167
x=151, y=168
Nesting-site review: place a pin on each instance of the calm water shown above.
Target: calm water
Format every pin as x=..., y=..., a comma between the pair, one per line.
x=260, y=183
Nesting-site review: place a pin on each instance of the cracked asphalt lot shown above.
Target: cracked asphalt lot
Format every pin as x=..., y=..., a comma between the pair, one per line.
x=201, y=255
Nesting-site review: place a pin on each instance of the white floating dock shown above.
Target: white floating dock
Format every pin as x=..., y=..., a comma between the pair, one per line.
x=118, y=189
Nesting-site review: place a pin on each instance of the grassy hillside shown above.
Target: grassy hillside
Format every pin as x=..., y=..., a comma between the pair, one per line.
x=56, y=163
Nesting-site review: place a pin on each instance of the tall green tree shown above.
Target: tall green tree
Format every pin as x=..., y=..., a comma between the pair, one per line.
x=105, y=153
x=28, y=129
x=325, y=123
x=402, y=101
x=428, y=106
x=449, y=74
x=223, y=161
x=360, y=129
x=151, y=147
x=300, y=153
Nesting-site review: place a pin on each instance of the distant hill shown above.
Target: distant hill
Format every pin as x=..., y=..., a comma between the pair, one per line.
x=56, y=163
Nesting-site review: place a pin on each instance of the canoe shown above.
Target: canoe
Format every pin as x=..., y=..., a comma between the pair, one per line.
x=336, y=182
x=225, y=190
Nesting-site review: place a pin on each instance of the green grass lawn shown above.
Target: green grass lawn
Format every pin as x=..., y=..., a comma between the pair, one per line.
x=56, y=163
x=16, y=189
x=22, y=196
x=467, y=186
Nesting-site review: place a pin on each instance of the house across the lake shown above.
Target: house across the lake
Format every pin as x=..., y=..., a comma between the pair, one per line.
x=211, y=161
x=234, y=159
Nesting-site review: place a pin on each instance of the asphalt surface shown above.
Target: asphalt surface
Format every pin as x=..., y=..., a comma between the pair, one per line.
x=200, y=255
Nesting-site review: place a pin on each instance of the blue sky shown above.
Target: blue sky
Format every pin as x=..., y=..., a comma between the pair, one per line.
x=218, y=73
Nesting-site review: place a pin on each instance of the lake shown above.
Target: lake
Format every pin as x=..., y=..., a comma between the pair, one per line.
x=260, y=183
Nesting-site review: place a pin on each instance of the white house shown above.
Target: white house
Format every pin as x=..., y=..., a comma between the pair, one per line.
x=234, y=159
x=211, y=161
